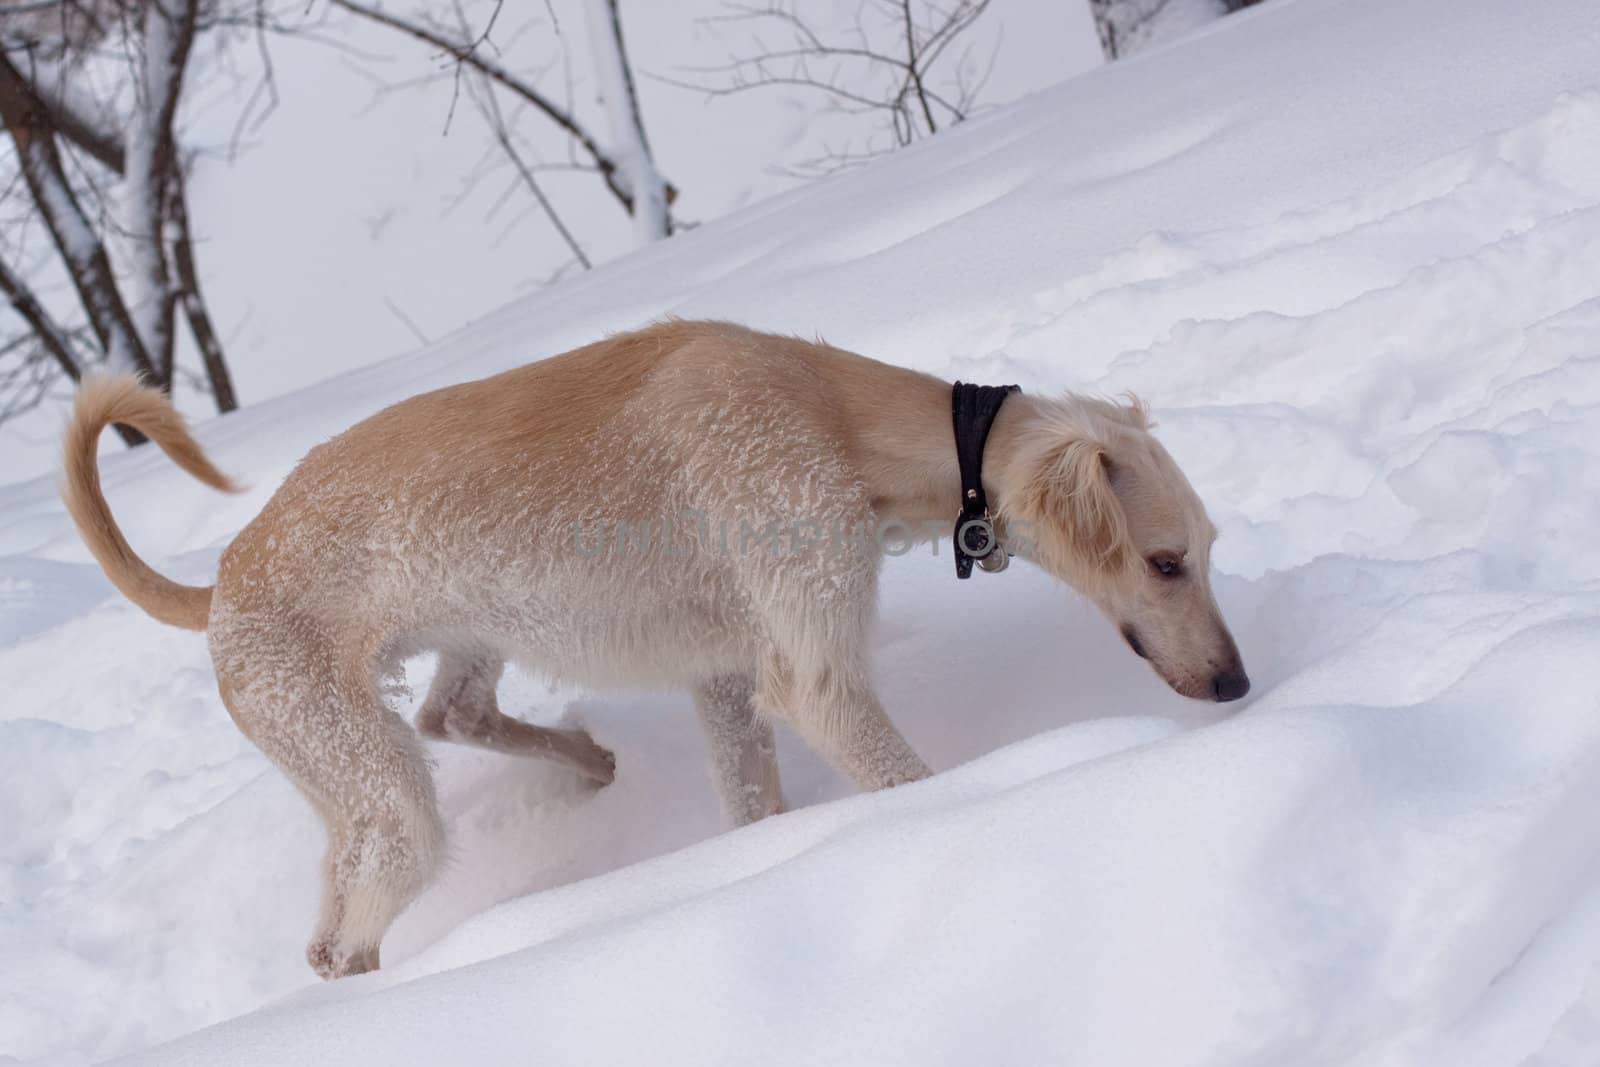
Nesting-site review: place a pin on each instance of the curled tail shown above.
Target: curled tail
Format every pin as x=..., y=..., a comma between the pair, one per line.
x=102, y=400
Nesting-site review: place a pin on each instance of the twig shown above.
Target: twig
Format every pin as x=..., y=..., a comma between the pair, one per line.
x=911, y=104
x=491, y=110
x=406, y=320
x=496, y=72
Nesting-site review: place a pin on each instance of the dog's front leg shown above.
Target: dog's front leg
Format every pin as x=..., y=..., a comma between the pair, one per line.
x=744, y=755
x=839, y=715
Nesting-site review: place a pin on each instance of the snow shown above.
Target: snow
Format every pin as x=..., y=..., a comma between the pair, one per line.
x=1345, y=251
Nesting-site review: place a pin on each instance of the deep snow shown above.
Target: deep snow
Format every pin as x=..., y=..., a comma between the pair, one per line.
x=1346, y=250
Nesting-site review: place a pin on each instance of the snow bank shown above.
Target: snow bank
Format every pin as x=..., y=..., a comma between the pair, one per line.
x=1345, y=249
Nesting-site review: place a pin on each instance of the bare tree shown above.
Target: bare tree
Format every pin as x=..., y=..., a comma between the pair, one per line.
x=623, y=161
x=76, y=238
x=131, y=268
x=907, y=64
x=1125, y=25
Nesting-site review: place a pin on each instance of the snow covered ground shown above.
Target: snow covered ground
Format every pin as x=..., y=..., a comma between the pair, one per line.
x=1349, y=251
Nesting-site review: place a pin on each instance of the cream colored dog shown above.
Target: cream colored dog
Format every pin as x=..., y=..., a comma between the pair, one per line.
x=627, y=513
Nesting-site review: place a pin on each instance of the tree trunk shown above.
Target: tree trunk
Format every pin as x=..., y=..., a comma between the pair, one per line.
x=186, y=292
x=151, y=156
x=651, y=221
x=27, y=120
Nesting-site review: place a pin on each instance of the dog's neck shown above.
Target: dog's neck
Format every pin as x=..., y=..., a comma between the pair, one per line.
x=906, y=449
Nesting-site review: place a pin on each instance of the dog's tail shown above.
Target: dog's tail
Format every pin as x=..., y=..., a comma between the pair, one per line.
x=102, y=400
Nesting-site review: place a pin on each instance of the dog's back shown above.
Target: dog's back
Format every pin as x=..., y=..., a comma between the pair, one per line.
x=583, y=514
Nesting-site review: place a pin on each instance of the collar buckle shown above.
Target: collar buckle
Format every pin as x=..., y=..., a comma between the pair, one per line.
x=977, y=538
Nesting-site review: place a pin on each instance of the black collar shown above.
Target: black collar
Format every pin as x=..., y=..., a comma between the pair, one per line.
x=973, y=408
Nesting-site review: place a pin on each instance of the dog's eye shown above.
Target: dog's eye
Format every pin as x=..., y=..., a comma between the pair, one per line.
x=1167, y=566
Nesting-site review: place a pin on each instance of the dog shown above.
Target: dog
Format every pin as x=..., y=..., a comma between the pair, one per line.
x=574, y=515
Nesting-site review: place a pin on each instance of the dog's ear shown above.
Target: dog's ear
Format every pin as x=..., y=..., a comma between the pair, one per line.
x=1127, y=411
x=1133, y=412
x=1081, y=521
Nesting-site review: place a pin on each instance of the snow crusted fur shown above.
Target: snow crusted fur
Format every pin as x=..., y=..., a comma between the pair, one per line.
x=693, y=504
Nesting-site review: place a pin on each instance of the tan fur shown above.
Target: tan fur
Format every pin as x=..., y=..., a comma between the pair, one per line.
x=103, y=400
x=456, y=521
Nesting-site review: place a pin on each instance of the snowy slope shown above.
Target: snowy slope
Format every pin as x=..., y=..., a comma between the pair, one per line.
x=1350, y=253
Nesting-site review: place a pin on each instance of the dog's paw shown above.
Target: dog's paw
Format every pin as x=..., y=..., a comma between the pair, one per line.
x=330, y=962
x=596, y=763
x=599, y=764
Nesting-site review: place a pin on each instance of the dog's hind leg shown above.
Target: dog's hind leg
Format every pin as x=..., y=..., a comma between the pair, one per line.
x=744, y=755
x=461, y=707
x=308, y=700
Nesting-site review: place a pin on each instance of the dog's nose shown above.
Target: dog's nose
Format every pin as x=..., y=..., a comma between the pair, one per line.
x=1230, y=685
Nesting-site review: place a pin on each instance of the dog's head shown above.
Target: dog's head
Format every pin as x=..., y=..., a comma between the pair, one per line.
x=1095, y=500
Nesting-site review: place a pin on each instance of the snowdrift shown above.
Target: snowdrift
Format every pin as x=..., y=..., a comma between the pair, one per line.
x=1349, y=252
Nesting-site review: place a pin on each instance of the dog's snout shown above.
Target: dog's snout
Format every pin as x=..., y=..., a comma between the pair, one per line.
x=1230, y=685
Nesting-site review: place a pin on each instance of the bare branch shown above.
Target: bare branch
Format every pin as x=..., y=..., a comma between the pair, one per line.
x=467, y=54
x=73, y=117
x=890, y=65
x=502, y=135
x=405, y=320
x=471, y=46
x=52, y=338
x=31, y=7
x=913, y=72
x=803, y=80
x=266, y=88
